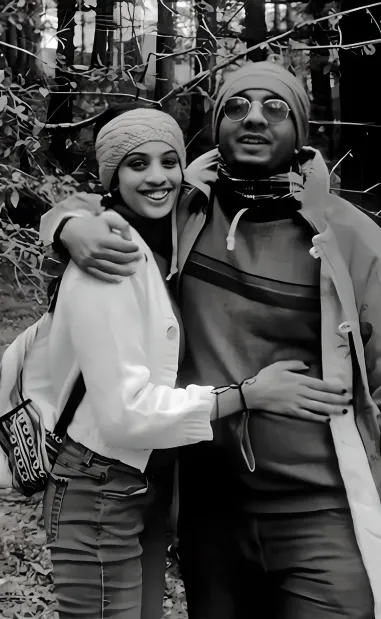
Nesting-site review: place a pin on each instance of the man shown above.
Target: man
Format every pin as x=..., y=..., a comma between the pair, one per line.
x=280, y=517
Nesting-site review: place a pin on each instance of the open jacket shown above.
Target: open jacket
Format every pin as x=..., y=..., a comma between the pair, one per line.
x=348, y=245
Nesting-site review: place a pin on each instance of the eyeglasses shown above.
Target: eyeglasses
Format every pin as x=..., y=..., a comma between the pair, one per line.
x=273, y=110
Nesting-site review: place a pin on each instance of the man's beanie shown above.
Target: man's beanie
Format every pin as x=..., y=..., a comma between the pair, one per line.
x=127, y=131
x=267, y=76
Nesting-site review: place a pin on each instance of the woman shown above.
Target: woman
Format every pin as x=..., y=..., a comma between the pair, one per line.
x=125, y=340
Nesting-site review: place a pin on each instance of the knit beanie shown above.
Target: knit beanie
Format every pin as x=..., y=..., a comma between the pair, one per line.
x=267, y=76
x=127, y=131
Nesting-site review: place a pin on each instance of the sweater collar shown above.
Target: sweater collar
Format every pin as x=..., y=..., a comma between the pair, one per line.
x=314, y=194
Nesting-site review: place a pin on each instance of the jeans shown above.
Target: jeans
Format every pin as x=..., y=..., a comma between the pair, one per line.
x=275, y=566
x=106, y=531
x=239, y=564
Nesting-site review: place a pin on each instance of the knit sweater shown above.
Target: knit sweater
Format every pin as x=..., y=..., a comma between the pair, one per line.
x=244, y=310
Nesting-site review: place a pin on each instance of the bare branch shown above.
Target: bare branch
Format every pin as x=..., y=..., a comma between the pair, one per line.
x=230, y=60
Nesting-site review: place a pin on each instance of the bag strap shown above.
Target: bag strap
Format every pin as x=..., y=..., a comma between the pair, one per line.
x=79, y=388
x=74, y=400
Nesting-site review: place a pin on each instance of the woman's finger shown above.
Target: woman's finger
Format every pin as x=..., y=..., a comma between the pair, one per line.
x=328, y=398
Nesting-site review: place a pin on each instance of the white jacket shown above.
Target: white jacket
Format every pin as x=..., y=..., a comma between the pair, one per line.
x=125, y=340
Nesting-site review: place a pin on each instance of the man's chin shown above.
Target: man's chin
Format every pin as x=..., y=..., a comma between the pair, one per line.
x=249, y=164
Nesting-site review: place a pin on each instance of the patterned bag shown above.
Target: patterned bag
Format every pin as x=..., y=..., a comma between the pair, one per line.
x=30, y=448
x=30, y=434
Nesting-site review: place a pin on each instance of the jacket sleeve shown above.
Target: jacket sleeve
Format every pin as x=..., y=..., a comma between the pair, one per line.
x=111, y=340
x=78, y=205
x=370, y=328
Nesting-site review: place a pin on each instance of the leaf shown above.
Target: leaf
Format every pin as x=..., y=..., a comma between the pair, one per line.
x=21, y=3
x=3, y=102
x=80, y=67
x=327, y=68
x=15, y=197
x=73, y=84
x=43, y=91
x=140, y=86
x=36, y=566
x=369, y=49
x=206, y=6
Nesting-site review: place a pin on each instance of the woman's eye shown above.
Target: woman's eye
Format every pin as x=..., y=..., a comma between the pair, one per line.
x=137, y=165
x=170, y=163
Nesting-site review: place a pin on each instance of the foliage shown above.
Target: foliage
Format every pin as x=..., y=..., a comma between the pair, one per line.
x=208, y=37
x=20, y=195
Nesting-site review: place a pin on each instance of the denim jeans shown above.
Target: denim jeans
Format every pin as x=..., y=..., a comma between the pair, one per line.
x=106, y=531
x=238, y=564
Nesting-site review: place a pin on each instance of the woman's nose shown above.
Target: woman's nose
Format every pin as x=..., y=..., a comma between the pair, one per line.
x=255, y=115
x=156, y=176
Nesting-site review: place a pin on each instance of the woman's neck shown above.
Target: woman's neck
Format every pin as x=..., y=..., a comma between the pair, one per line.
x=155, y=232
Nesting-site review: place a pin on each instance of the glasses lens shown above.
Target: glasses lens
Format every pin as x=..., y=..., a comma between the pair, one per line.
x=275, y=110
x=236, y=108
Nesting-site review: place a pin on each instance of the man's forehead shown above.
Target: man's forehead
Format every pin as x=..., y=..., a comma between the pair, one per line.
x=259, y=94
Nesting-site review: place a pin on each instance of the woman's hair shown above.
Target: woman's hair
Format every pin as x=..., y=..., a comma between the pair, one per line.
x=116, y=110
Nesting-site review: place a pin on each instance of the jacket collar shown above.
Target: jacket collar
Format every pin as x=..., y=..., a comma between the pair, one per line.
x=315, y=197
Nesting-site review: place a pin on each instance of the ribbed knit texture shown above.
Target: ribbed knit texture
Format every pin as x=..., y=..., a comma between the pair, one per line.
x=132, y=129
x=267, y=76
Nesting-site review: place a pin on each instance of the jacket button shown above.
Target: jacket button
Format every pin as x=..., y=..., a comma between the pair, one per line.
x=171, y=333
x=314, y=252
x=346, y=327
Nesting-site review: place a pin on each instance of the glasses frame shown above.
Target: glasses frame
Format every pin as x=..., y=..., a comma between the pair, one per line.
x=249, y=110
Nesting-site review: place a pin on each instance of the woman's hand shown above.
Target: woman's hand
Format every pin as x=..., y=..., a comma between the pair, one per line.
x=283, y=388
x=101, y=246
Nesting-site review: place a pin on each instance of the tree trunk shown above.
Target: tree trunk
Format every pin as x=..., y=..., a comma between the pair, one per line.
x=255, y=28
x=165, y=44
x=200, y=137
x=321, y=108
x=359, y=100
x=60, y=108
x=102, y=51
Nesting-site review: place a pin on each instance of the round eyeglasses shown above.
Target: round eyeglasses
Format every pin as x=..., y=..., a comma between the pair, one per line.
x=273, y=110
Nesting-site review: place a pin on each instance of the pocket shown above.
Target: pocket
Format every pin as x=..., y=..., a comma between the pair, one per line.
x=134, y=488
x=71, y=467
x=53, y=499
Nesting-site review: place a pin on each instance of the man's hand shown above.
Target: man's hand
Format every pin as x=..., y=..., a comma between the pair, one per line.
x=283, y=388
x=101, y=246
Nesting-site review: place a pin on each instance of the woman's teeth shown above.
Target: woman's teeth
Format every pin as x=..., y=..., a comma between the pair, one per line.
x=157, y=195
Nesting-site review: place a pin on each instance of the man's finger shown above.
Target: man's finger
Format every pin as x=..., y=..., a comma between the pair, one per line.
x=104, y=277
x=110, y=255
x=117, y=243
x=109, y=268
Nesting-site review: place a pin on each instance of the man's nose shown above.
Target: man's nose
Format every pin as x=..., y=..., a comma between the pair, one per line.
x=255, y=115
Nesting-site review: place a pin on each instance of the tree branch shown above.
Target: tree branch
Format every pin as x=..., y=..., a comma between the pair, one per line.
x=230, y=60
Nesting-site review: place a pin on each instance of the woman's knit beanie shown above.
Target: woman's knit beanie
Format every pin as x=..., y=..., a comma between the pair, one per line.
x=127, y=131
x=267, y=76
